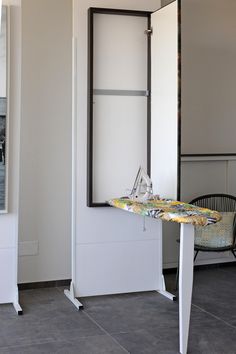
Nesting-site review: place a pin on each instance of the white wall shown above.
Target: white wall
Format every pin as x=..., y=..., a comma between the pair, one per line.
x=113, y=253
x=208, y=101
x=208, y=76
x=9, y=222
x=45, y=178
x=165, y=2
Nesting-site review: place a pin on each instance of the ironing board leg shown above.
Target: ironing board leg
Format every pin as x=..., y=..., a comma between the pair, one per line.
x=185, y=283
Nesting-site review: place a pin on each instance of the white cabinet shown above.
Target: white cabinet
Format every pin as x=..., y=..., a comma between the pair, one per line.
x=9, y=220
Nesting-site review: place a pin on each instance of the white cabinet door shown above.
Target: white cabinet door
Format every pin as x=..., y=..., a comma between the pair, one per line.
x=164, y=101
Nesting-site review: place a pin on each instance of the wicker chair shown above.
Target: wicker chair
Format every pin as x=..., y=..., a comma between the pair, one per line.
x=225, y=204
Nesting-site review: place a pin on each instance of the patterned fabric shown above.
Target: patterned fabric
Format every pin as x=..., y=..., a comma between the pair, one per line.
x=169, y=210
x=218, y=235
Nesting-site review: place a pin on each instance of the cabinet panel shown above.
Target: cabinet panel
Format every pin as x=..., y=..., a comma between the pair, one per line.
x=120, y=52
x=117, y=268
x=7, y=275
x=164, y=101
x=202, y=177
x=118, y=149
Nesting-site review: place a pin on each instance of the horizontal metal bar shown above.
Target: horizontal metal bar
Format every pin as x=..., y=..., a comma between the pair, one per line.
x=215, y=154
x=108, y=92
x=208, y=157
x=123, y=12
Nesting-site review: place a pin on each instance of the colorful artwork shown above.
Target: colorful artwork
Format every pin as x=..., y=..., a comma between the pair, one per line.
x=169, y=210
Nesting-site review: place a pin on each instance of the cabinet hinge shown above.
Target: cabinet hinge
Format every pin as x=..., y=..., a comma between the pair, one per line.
x=149, y=31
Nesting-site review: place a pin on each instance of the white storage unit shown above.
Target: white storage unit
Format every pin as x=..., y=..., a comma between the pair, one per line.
x=106, y=241
x=101, y=237
x=177, y=115
x=9, y=220
x=111, y=253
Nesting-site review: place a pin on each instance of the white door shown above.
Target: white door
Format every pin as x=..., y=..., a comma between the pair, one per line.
x=165, y=144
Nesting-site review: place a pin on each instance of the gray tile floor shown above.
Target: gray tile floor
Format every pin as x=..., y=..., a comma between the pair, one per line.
x=132, y=323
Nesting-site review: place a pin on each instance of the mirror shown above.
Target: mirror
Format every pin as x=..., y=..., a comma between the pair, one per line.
x=3, y=108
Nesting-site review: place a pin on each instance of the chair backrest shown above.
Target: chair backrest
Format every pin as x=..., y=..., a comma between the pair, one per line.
x=219, y=202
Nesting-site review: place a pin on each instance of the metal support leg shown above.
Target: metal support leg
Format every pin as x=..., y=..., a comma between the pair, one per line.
x=164, y=292
x=185, y=283
x=16, y=304
x=233, y=251
x=195, y=256
x=161, y=282
x=70, y=294
x=18, y=308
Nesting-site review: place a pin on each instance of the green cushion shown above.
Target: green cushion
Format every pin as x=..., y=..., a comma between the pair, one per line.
x=216, y=235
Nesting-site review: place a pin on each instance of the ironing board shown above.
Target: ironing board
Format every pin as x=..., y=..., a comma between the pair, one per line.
x=188, y=216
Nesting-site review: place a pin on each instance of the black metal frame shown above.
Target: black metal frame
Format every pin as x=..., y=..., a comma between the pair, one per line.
x=179, y=101
x=108, y=11
x=147, y=14
x=210, y=155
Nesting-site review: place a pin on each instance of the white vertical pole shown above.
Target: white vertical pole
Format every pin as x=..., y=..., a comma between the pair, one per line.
x=70, y=293
x=185, y=283
x=74, y=155
x=13, y=57
x=8, y=68
x=0, y=14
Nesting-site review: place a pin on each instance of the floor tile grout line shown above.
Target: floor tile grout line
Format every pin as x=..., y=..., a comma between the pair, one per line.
x=212, y=315
x=61, y=291
x=103, y=329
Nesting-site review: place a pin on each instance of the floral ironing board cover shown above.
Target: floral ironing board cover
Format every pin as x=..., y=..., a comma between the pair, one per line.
x=168, y=210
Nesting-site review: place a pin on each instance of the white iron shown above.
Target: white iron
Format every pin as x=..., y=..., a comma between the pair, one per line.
x=142, y=188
